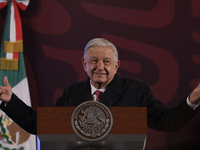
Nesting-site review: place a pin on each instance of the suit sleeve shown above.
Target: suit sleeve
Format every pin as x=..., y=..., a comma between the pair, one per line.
x=162, y=118
x=22, y=114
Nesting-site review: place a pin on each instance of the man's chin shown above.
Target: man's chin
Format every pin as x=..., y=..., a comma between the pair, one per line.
x=99, y=81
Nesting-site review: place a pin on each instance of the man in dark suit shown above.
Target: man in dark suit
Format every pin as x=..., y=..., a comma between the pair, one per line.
x=101, y=63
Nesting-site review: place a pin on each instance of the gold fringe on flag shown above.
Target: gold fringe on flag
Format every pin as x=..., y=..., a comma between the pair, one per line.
x=9, y=64
x=13, y=47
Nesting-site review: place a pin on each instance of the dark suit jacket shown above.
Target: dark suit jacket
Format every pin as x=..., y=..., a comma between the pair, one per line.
x=123, y=92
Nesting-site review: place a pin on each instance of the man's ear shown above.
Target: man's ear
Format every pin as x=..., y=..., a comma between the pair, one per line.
x=84, y=64
x=117, y=64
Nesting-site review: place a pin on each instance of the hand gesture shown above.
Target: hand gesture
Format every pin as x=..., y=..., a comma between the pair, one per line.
x=5, y=91
x=195, y=95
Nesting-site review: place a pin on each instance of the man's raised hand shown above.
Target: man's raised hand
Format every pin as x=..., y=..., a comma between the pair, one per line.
x=195, y=95
x=5, y=91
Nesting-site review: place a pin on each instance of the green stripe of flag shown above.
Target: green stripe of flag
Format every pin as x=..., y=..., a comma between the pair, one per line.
x=6, y=32
x=14, y=77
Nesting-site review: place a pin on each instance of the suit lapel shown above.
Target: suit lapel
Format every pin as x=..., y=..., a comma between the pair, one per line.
x=113, y=91
x=83, y=93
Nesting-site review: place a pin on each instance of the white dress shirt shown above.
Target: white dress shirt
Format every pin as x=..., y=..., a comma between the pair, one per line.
x=93, y=89
x=193, y=106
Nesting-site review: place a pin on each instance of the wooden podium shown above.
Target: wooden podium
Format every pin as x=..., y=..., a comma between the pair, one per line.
x=55, y=131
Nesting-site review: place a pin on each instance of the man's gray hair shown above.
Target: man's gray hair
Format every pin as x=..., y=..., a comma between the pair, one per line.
x=100, y=42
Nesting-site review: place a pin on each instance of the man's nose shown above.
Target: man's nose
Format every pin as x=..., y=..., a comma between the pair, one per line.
x=100, y=65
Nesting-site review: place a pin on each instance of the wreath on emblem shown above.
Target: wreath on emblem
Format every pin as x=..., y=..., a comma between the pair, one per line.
x=92, y=122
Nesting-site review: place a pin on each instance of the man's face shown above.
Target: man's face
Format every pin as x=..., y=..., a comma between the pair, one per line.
x=100, y=65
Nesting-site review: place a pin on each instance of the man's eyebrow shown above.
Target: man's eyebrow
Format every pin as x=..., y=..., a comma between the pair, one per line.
x=94, y=57
x=107, y=58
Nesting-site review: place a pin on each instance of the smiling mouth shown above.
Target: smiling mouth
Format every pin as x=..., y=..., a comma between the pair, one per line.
x=100, y=73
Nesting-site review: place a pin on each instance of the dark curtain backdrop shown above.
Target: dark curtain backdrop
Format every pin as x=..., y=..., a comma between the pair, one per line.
x=158, y=42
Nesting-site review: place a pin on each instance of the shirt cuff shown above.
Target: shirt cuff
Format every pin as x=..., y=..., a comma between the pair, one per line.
x=193, y=106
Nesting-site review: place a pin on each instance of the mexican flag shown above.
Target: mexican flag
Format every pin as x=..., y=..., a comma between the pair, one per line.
x=12, y=65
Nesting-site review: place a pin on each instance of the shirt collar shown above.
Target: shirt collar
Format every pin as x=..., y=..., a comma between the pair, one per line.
x=93, y=89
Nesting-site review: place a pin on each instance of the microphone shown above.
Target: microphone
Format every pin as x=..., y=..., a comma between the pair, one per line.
x=70, y=100
x=110, y=102
x=91, y=98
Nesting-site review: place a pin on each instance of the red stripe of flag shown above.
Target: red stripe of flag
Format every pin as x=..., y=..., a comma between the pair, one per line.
x=17, y=22
x=22, y=6
x=3, y=4
x=15, y=55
